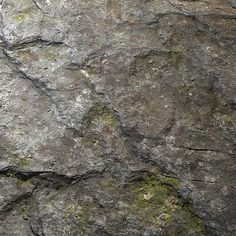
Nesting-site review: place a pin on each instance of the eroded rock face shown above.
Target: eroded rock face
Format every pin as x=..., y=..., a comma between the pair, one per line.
x=117, y=117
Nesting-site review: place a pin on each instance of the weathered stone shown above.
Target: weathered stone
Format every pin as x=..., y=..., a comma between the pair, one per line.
x=117, y=117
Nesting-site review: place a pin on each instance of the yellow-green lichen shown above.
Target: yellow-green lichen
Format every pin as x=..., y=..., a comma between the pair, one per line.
x=101, y=116
x=176, y=57
x=28, y=183
x=171, y=181
x=108, y=118
x=20, y=17
x=21, y=160
x=190, y=221
x=22, y=209
x=23, y=15
x=49, y=55
x=158, y=204
x=91, y=69
x=154, y=199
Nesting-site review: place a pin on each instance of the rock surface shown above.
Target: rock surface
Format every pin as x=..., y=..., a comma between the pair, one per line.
x=117, y=117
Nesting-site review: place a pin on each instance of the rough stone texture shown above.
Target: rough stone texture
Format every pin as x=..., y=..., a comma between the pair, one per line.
x=117, y=117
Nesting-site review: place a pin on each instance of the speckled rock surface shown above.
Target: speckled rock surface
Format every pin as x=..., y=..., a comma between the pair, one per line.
x=117, y=118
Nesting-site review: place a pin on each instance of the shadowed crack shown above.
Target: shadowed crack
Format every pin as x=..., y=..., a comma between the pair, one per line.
x=36, y=233
x=30, y=42
x=179, y=9
x=8, y=207
x=37, y=5
x=15, y=64
x=24, y=175
x=202, y=149
x=39, y=177
x=191, y=14
x=38, y=84
x=203, y=181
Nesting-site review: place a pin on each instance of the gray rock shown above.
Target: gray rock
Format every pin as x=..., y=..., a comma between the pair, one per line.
x=117, y=117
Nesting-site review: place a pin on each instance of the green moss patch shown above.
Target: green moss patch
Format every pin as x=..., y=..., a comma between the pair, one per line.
x=170, y=181
x=101, y=117
x=21, y=161
x=154, y=199
x=24, y=14
x=158, y=204
x=176, y=57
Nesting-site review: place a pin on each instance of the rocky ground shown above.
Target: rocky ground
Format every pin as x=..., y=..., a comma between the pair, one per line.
x=117, y=117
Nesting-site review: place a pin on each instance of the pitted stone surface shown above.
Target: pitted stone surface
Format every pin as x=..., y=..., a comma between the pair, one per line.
x=117, y=117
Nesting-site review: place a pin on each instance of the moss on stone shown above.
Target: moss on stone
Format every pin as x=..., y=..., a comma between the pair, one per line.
x=23, y=15
x=176, y=57
x=171, y=181
x=101, y=115
x=92, y=70
x=21, y=160
x=50, y=55
x=28, y=182
x=190, y=221
x=22, y=209
x=159, y=205
x=20, y=17
x=151, y=198
x=108, y=118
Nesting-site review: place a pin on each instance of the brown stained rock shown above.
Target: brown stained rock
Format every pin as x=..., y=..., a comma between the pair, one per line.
x=117, y=117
